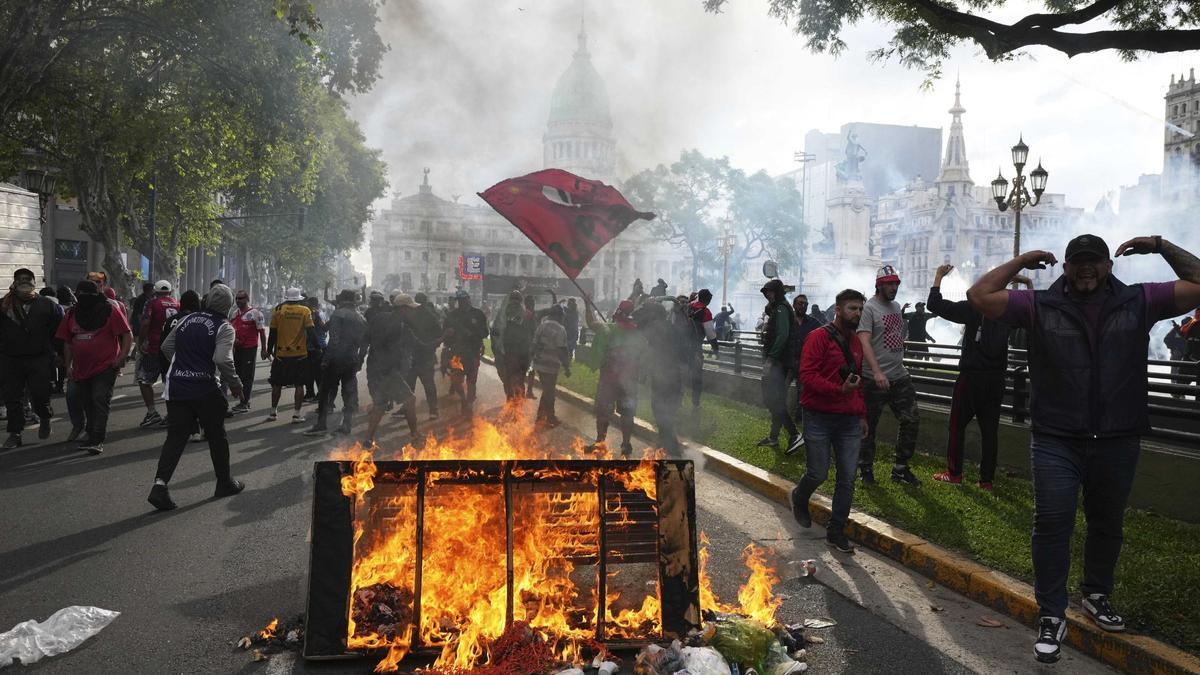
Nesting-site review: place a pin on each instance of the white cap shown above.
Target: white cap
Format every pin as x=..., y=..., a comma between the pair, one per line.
x=162, y=286
x=292, y=294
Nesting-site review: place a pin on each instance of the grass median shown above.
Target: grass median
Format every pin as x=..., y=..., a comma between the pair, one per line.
x=1158, y=577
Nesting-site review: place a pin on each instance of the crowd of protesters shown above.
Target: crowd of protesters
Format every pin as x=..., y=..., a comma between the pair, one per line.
x=1087, y=337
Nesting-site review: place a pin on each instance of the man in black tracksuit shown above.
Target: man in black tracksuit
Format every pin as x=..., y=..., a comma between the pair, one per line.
x=979, y=389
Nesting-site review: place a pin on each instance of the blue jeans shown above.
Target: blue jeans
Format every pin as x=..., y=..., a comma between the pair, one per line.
x=1104, y=468
x=838, y=437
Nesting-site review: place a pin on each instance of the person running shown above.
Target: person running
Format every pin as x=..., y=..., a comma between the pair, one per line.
x=549, y=356
x=617, y=345
x=342, y=360
x=200, y=352
x=916, y=324
x=287, y=343
x=464, y=332
x=149, y=366
x=979, y=388
x=1088, y=345
x=723, y=322
x=777, y=361
x=390, y=344
x=881, y=332
x=96, y=340
x=834, y=415
x=703, y=331
x=28, y=323
x=250, y=326
x=427, y=327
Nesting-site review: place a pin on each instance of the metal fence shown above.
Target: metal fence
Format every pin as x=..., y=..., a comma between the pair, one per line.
x=1174, y=405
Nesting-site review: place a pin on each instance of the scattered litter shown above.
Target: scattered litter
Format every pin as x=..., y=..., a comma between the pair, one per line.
x=657, y=660
x=65, y=630
x=931, y=585
x=607, y=668
x=742, y=642
x=814, y=639
x=819, y=623
x=988, y=622
x=704, y=661
x=937, y=608
x=274, y=638
x=570, y=671
x=790, y=636
x=806, y=568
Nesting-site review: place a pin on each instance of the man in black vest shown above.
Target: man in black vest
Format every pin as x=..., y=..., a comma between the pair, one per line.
x=777, y=362
x=1088, y=343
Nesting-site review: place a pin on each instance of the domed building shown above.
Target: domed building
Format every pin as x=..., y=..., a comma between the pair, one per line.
x=416, y=245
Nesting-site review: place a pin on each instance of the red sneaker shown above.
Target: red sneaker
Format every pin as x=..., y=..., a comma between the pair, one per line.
x=984, y=485
x=947, y=477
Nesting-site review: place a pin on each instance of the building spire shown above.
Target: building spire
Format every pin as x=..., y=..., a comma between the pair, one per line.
x=582, y=51
x=954, y=164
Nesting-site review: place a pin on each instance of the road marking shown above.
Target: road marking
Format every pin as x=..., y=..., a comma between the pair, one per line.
x=281, y=664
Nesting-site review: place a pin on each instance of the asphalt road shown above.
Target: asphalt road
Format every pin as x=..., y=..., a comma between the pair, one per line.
x=77, y=530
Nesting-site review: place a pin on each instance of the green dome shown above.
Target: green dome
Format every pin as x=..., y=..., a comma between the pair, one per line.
x=580, y=95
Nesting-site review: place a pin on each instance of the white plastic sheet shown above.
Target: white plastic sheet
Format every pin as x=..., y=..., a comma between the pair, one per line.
x=65, y=630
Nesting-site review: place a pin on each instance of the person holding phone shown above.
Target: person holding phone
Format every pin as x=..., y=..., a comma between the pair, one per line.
x=835, y=414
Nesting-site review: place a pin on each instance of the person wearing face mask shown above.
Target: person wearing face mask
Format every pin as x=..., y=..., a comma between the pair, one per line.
x=28, y=322
x=250, y=326
x=1089, y=336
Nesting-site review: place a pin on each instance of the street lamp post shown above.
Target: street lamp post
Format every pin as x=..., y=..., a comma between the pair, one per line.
x=1018, y=199
x=725, y=245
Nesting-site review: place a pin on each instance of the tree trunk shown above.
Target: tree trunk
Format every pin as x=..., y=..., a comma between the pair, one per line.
x=100, y=216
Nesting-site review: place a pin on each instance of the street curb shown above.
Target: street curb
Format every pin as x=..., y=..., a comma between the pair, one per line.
x=1127, y=652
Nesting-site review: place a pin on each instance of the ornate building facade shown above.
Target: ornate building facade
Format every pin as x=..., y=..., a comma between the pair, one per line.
x=955, y=221
x=416, y=244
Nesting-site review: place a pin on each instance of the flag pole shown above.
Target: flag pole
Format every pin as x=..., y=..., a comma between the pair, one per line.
x=587, y=298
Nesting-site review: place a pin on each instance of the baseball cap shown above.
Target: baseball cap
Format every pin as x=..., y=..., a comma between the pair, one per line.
x=1087, y=244
x=23, y=272
x=162, y=286
x=292, y=294
x=403, y=300
x=887, y=275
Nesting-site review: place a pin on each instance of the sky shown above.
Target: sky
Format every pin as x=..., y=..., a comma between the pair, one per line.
x=465, y=91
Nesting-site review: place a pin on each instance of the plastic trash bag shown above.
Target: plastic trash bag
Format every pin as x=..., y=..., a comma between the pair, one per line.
x=65, y=630
x=741, y=641
x=777, y=662
x=704, y=661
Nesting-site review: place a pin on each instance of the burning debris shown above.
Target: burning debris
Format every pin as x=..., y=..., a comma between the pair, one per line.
x=273, y=638
x=503, y=555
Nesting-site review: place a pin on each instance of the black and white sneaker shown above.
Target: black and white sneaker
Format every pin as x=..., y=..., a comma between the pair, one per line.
x=905, y=476
x=1097, y=607
x=838, y=540
x=794, y=444
x=800, y=508
x=1051, y=632
x=768, y=442
x=151, y=419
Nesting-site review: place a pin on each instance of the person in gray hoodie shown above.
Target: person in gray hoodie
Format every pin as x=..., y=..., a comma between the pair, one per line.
x=200, y=353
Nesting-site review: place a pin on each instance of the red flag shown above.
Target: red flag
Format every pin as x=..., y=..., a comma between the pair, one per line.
x=569, y=218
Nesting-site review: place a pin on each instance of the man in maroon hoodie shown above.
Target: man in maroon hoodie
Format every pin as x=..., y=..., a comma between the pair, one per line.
x=834, y=414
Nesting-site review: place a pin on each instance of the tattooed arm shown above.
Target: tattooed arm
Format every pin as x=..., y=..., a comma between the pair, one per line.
x=1185, y=264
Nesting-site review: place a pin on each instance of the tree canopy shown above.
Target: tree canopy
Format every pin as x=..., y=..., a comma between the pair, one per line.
x=698, y=198
x=926, y=30
x=213, y=105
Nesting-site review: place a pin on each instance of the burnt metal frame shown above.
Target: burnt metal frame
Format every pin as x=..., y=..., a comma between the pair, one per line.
x=332, y=548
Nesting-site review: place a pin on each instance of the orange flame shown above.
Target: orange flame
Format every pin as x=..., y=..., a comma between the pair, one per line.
x=268, y=631
x=756, y=597
x=464, y=564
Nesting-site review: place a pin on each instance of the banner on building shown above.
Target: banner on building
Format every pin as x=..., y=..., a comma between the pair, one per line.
x=470, y=267
x=568, y=217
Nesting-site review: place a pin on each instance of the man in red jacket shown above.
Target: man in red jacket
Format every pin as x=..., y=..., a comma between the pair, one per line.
x=834, y=414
